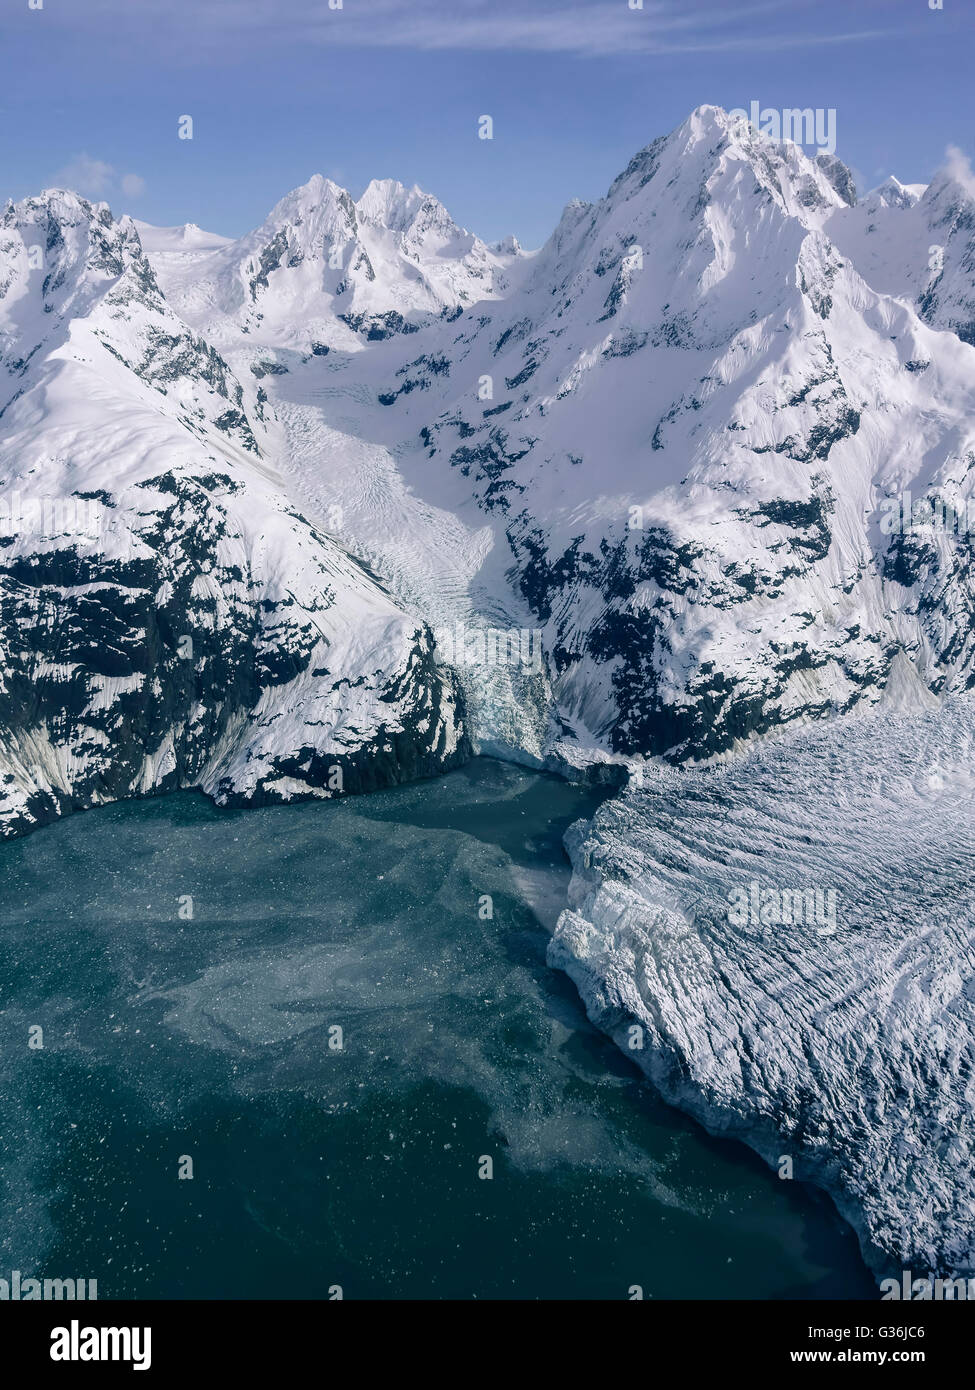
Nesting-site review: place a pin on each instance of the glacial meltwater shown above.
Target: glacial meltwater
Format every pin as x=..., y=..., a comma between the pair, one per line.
x=259, y=1054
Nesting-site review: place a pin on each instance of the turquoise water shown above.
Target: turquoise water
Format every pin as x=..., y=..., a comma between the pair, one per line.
x=213, y=1038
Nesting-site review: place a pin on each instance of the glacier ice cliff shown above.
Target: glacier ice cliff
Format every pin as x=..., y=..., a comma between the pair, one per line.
x=850, y=1048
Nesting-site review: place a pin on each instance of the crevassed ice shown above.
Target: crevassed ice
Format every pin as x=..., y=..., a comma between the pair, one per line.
x=845, y=1041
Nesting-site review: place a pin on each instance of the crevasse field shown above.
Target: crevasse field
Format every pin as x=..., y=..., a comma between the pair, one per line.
x=844, y=1040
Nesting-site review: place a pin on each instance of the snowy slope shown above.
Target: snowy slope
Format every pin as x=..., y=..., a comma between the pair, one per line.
x=167, y=618
x=325, y=272
x=172, y=241
x=919, y=243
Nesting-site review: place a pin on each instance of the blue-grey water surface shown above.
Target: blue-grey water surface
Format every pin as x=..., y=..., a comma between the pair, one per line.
x=213, y=1038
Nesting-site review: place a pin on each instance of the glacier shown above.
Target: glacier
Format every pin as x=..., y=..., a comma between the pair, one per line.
x=849, y=1052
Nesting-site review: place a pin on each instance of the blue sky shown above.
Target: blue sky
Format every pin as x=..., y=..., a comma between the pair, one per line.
x=91, y=92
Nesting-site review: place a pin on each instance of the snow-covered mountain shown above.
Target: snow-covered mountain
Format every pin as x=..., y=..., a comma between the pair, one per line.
x=699, y=408
x=672, y=441
x=167, y=617
x=918, y=243
x=670, y=444
x=324, y=272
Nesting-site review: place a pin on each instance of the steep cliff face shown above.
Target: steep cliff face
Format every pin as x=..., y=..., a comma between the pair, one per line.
x=167, y=617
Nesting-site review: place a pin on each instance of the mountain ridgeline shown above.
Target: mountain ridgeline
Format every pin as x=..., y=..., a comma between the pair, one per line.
x=669, y=442
x=167, y=617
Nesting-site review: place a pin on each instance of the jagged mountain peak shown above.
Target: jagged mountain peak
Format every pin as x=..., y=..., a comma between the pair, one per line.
x=697, y=196
x=713, y=149
x=894, y=194
x=391, y=204
x=699, y=221
x=949, y=200
x=63, y=212
x=324, y=271
x=508, y=246
x=917, y=242
x=79, y=302
x=312, y=206
x=419, y=224
x=63, y=202
x=59, y=255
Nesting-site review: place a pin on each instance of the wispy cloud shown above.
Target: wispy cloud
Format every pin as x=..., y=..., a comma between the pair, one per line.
x=602, y=28
x=587, y=30
x=96, y=179
x=959, y=167
x=93, y=177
